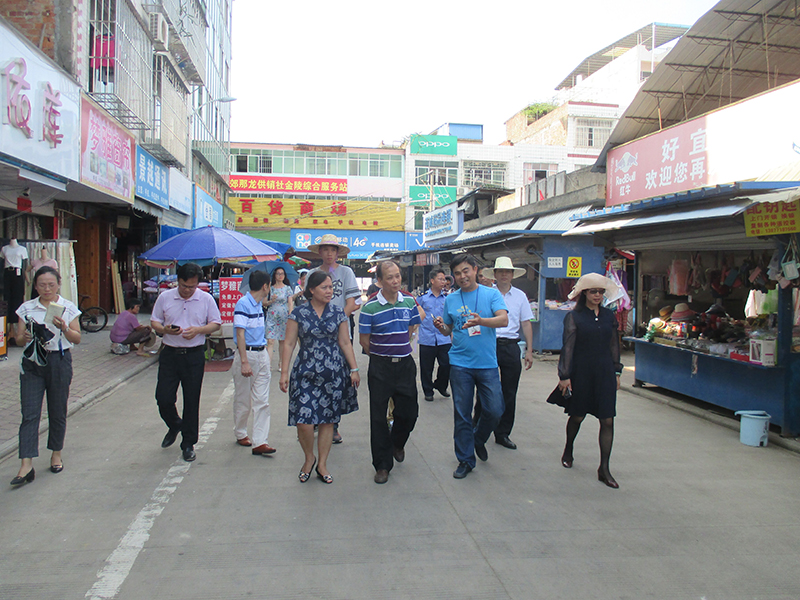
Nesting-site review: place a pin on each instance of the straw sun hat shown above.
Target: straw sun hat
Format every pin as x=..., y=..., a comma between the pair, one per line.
x=503, y=262
x=592, y=281
x=329, y=239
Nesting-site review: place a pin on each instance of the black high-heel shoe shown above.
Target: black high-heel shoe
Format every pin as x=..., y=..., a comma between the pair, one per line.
x=56, y=468
x=566, y=463
x=27, y=478
x=303, y=477
x=609, y=481
x=326, y=478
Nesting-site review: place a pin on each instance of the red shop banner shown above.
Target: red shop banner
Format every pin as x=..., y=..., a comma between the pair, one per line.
x=108, y=152
x=229, y=295
x=314, y=185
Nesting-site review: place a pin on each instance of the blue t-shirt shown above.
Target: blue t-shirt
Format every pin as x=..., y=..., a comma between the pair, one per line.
x=479, y=351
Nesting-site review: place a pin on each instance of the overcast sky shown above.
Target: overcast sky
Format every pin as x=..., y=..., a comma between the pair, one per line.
x=356, y=73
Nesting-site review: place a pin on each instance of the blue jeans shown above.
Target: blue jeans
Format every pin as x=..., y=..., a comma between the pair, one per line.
x=463, y=383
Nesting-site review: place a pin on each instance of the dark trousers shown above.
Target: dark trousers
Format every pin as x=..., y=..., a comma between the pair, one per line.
x=176, y=368
x=397, y=380
x=427, y=356
x=14, y=293
x=510, y=363
x=54, y=378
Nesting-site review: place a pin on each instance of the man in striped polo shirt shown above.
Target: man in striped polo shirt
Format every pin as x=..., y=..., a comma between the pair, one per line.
x=384, y=326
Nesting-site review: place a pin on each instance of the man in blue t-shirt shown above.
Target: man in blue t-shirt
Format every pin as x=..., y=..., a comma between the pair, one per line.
x=471, y=315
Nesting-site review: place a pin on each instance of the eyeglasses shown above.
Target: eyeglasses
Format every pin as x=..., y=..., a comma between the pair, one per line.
x=596, y=291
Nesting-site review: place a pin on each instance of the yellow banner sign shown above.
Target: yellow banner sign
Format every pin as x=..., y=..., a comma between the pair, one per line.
x=772, y=218
x=574, y=266
x=285, y=213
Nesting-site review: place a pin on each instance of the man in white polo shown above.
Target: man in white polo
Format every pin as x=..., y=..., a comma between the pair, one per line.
x=508, y=338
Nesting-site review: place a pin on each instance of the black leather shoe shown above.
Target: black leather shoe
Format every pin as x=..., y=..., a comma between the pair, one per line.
x=462, y=470
x=399, y=454
x=505, y=441
x=428, y=398
x=480, y=452
x=443, y=392
x=27, y=478
x=188, y=454
x=170, y=438
x=381, y=476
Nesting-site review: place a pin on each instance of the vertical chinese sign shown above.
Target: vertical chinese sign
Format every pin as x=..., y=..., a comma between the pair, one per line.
x=108, y=153
x=229, y=294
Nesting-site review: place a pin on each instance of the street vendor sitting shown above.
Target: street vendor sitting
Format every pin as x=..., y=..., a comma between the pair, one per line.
x=127, y=332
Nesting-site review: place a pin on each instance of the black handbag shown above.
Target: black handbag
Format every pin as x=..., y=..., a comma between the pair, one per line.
x=559, y=399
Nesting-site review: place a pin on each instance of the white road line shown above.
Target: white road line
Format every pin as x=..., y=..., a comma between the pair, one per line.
x=119, y=563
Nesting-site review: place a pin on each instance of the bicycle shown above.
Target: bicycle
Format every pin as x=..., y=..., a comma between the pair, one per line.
x=93, y=318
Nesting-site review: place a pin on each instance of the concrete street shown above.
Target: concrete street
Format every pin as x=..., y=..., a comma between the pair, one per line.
x=698, y=515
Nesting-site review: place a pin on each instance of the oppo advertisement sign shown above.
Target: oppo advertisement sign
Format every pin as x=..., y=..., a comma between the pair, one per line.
x=434, y=144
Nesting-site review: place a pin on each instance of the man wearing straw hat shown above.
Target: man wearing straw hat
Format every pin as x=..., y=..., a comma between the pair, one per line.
x=345, y=286
x=508, y=338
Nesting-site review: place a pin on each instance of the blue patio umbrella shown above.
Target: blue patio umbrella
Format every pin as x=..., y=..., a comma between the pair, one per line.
x=207, y=246
x=268, y=267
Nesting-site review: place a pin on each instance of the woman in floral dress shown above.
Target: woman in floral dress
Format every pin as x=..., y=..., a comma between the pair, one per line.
x=279, y=305
x=324, y=380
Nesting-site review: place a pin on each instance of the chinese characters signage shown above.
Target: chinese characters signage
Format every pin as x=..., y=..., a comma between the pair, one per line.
x=772, y=218
x=442, y=223
x=420, y=195
x=574, y=266
x=271, y=213
x=299, y=185
x=361, y=243
x=181, y=195
x=434, y=144
x=40, y=109
x=152, y=179
x=737, y=143
x=108, y=152
x=229, y=295
x=207, y=211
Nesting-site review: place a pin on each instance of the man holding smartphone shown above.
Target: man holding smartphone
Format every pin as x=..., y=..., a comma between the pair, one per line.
x=184, y=316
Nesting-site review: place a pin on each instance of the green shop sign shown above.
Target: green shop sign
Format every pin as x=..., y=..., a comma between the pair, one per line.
x=434, y=144
x=421, y=195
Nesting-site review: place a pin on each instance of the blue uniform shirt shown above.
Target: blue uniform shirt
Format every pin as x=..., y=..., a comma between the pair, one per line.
x=433, y=307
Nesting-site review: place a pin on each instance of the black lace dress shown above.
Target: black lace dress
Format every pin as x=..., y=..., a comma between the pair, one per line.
x=590, y=359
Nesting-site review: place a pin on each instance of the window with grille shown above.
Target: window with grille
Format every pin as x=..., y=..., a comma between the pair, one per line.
x=483, y=174
x=592, y=133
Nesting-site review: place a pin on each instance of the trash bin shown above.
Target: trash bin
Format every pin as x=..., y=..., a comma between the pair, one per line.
x=753, y=427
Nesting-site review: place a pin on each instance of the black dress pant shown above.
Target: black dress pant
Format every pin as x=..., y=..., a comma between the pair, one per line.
x=427, y=356
x=14, y=292
x=184, y=367
x=510, y=362
x=397, y=380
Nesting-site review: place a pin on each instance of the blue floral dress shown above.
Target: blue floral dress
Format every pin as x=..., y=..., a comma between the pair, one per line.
x=278, y=313
x=320, y=390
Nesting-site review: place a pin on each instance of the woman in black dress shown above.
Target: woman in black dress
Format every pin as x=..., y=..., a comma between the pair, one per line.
x=589, y=367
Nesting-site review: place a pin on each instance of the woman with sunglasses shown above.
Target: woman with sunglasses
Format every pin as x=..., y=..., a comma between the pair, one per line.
x=589, y=367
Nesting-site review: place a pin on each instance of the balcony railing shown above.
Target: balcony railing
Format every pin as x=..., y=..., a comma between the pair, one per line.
x=167, y=139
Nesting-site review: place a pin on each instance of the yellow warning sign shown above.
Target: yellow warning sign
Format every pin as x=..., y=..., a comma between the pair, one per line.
x=574, y=266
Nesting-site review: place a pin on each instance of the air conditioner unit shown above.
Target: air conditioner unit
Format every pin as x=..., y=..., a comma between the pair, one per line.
x=159, y=31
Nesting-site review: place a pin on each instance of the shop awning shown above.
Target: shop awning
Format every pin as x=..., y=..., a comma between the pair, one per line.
x=713, y=227
x=515, y=227
x=559, y=222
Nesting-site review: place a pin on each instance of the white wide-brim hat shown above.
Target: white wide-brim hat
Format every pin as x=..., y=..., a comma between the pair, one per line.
x=503, y=262
x=592, y=281
x=329, y=239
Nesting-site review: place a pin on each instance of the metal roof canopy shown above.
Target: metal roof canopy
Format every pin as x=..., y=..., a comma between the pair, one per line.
x=558, y=222
x=717, y=192
x=697, y=231
x=736, y=50
x=644, y=36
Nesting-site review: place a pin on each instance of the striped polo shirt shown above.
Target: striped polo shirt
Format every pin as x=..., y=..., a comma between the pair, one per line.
x=249, y=315
x=387, y=324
